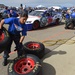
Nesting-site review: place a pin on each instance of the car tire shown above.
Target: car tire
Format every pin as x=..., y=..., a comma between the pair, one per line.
x=4, y=39
x=25, y=65
x=36, y=48
x=36, y=25
x=57, y=21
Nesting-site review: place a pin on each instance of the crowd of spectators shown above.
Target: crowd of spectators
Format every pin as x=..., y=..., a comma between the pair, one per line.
x=15, y=11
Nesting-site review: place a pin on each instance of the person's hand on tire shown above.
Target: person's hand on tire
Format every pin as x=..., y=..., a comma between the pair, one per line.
x=19, y=47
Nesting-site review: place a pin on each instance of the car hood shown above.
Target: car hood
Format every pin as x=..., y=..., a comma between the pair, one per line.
x=31, y=18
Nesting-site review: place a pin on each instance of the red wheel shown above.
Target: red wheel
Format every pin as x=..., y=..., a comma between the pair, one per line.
x=36, y=48
x=33, y=46
x=1, y=37
x=36, y=24
x=24, y=66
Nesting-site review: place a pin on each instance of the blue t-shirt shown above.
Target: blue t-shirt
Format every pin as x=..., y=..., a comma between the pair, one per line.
x=6, y=11
x=73, y=15
x=15, y=27
x=13, y=14
x=67, y=16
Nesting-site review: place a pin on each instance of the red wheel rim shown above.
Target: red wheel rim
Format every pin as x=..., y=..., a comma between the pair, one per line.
x=2, y=37
x=33, y=46
x=36, y=25
x=24, y=66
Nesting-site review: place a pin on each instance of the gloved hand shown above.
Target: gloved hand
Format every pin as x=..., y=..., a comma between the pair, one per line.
x=19, y=46
x=19, y=49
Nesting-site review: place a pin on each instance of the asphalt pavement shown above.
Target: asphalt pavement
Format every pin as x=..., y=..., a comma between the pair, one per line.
x=60, y=61
x=59, y=50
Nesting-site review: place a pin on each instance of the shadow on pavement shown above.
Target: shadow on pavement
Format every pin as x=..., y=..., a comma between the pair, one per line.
x=48, y=69
x=49, y=53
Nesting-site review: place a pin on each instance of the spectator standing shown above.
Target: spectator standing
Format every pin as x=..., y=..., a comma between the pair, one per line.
x=5, y=13
x=67, y=19
x=12, y=13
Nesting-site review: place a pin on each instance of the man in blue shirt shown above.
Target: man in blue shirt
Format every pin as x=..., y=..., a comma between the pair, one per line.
x=73, y=18
x=12, y=13
x=73, y=14
x=6, y=10
x=67, y=20
x=16, y=26
x=5, y=13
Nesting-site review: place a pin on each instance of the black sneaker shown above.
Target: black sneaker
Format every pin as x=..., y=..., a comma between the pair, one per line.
x=4, y=62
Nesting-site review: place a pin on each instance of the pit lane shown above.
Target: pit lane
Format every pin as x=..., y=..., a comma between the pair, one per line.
x=41, y=35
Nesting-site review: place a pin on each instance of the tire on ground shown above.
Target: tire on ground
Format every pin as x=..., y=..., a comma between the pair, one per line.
x=25, y=65
x=36, y=48
x=4, y=39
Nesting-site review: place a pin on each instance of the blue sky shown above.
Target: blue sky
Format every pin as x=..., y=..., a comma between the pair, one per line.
x=34, y=3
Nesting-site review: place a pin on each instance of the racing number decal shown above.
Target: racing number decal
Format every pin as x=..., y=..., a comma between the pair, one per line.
x=36, y=66
x=43, y=21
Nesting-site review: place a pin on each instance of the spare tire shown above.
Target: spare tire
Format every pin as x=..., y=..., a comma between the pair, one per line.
x=4, y=39
x=36, y=48
x=25, y=65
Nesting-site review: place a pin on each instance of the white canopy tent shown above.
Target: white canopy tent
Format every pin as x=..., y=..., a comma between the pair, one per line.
x=40, y=6
x=55, y=7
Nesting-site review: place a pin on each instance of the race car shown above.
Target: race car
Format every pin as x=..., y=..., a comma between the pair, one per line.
x=42, y=18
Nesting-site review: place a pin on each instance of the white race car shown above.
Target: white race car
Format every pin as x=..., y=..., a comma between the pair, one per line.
x=41, y=18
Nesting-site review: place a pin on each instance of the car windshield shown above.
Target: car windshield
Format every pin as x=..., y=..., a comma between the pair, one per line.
x=36, y=13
